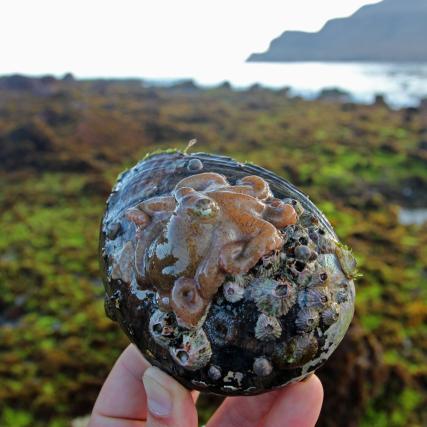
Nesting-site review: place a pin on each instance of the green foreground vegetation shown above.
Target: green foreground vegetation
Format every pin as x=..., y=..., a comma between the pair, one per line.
x=62, y=144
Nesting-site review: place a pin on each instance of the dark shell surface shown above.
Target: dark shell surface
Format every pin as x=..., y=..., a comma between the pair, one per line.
x=260, y=328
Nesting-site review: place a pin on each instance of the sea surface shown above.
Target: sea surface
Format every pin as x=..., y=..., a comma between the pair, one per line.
x=401, y=84
x=413, y=216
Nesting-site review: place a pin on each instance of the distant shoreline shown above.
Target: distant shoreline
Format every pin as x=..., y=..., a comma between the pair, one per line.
x=399, y=85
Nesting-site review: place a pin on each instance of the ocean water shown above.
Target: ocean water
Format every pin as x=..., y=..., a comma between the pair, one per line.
x=412, y=216
x=401, y=84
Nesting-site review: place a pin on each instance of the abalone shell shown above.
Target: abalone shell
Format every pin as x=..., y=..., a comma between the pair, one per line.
x=223, y=274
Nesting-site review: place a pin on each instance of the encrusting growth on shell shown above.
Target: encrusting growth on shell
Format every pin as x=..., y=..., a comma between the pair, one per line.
x=122, y=265
x=186, y=301
x=222, y=328
x=347, y=261
x=163, y=328
x=214, y=373
x=205, y=229
x=262, y=367
x=194, y=165
x=314, y=297
x=331, y=314
x=233, y=290
x=273, y=297
x=301, y=349
x=194, y=352
x=307, y=319
x=267, y=328
x=223, y=274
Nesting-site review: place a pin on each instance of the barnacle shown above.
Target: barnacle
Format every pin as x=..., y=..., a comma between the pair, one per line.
x=307, y=319
x=267, y=328
x=233, y=290
x=194, y=352
x=163, y=328
x=262, y=367
x=330, y=315
x=301, y=349
x=273, y=297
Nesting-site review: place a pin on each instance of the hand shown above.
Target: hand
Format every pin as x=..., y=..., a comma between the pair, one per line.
x=137, y=394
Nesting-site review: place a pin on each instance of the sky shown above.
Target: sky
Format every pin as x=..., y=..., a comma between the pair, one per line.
x=149, y=38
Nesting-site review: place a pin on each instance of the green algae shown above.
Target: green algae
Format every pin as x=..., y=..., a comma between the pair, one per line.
x=56, y=344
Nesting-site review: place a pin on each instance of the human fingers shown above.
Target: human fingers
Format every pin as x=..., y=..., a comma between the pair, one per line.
x=169, y=403
x=243, y=410
x=122, y=399
x=296, y=405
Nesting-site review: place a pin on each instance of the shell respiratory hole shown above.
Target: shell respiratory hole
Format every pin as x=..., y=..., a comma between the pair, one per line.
x=224, y=275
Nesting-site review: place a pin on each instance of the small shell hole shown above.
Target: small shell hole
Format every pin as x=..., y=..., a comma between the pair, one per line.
x=182, y=356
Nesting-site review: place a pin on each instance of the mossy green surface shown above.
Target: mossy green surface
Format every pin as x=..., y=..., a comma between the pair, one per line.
x=61, y=149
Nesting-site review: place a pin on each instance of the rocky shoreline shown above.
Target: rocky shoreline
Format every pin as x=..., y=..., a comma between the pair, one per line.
x=62, y=143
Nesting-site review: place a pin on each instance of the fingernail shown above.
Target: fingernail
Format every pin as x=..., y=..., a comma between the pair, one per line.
x=159, y=401
x=307, y=377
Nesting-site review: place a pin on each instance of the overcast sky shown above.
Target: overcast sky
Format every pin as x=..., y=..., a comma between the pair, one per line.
x=149, y=37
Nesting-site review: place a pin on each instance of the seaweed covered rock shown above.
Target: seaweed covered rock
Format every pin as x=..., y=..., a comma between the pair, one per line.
x=355, y=373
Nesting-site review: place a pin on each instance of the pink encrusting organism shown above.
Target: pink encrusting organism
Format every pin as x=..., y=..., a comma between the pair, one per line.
x=189, y=241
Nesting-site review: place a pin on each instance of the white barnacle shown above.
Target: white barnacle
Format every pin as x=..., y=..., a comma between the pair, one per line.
x=194, y=165
x=314, y=297
x=214, y=372
x=273, y=297
x=307, y=320
x=194, y=352
x=262, y=367
x=267, y=328
x=163, y=328
x=233, y=290
x=331, y=314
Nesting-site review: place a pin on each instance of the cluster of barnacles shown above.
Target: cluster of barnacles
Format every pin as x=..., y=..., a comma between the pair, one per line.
x=286, y=279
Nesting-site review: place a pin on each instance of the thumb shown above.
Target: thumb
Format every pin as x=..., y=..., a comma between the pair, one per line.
x=169, y=404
